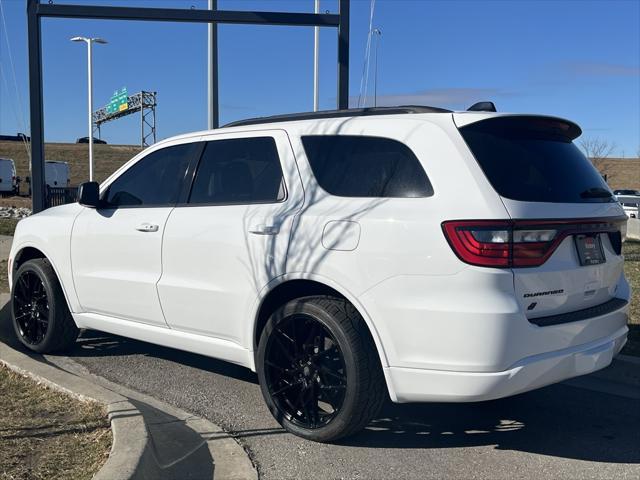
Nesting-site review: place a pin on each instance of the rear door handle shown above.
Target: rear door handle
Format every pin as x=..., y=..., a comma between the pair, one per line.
x=264, y=230
x=147, y=227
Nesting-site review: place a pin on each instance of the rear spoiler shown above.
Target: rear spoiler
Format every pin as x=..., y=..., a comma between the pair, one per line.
x=557, y=125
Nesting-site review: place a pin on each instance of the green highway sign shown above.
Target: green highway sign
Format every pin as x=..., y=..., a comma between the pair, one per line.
x=118, y=102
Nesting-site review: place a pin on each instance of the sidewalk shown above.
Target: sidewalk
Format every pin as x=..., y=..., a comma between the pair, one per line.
x=151, y=440
x=5, y=247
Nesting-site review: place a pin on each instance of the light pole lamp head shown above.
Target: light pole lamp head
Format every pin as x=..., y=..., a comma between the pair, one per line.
x=89, y=40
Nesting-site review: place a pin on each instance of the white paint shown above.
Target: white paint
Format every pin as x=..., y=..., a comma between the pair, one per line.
x=444, y=330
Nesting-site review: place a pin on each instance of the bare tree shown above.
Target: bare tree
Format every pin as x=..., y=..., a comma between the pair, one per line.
x=598, y=150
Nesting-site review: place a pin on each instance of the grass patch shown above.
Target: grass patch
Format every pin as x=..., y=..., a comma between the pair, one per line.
x=48, y=435
x=632, y=271
x=4, y=278
x=8, y=226
x=15, y=202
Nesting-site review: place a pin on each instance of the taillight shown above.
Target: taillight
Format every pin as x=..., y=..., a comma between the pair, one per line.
x=480, y=243
x=532, y=247
x=519, y=243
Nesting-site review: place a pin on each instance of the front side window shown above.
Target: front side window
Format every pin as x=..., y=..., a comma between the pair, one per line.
x=239, y=170
x=359, y=166
x=155, y=180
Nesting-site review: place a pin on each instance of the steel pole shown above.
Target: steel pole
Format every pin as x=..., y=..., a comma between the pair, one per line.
x=316, y=62
x=378, y=34
x=343, y=55
x=213, y=120
x=90, y=82
x=142, y=119
x=35, y=107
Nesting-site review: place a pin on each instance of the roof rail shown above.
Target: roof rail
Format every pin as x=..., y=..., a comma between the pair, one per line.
x=350, y=112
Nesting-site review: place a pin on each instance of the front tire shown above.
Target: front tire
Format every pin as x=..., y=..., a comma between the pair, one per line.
x=318, y=369
x=39, y=312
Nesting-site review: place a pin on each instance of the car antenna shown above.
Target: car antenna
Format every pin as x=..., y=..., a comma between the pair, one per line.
x=482, y=107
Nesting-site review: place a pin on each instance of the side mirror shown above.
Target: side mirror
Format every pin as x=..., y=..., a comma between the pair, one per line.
x=89, y=194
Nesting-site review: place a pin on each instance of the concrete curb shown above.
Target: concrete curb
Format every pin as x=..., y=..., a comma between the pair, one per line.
x=151, y=440
x=171, y=444
x=633, y=228
x=127, y=425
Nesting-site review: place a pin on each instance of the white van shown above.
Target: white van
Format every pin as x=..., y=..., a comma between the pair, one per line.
x=8, y=179
x=56, y=173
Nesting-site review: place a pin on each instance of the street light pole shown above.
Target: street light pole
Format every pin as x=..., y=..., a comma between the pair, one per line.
x=316, y=61
x=89, y=42
x=90, y=100
x=213, y=109
x=378, y=33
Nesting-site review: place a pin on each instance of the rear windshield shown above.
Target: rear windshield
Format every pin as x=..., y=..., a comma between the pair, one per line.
x=534, y=160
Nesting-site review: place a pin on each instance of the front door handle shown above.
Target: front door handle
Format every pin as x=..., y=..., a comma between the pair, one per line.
x=147, y=227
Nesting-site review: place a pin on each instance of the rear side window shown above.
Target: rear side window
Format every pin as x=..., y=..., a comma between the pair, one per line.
x=359, y=166
x=155, y=180
x=241, y=170
x=533, y=159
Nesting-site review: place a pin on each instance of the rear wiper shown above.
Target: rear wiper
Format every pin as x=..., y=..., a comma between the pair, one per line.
x=596, y=192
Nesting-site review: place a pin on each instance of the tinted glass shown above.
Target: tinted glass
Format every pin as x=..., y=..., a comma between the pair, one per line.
x=241, y=170
x=154, y=180
x=530, y=159
x=358, y=166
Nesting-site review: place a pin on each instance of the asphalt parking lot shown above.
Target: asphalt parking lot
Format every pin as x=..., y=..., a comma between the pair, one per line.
x=557, y=432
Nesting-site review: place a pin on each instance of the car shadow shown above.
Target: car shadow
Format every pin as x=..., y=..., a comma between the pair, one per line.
x=559, y=421
x=93, y=343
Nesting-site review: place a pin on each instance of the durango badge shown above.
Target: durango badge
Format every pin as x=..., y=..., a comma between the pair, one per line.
x=544, y=294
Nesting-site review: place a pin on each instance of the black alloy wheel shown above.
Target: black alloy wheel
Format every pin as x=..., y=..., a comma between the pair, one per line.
x=39, y=312
x=319, y=370
x=31, y=307
x=305, y=372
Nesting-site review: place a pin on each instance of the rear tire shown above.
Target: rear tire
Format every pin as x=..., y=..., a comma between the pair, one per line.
x=39, y=312
x=319, y=371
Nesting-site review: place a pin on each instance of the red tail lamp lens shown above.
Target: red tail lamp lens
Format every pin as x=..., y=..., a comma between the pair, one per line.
x=501, y=243
x=486, y=244
x=523, y=243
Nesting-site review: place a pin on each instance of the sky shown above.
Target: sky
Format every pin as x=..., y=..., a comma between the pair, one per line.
x=575, y=59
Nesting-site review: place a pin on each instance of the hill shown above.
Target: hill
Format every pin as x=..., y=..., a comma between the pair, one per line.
x=621, y=172
x=107, y=158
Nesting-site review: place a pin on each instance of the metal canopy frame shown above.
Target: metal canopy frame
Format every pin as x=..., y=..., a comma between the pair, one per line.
x=36, y=11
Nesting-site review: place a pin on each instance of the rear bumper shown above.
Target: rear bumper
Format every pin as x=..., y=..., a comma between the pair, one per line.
x=421, y=385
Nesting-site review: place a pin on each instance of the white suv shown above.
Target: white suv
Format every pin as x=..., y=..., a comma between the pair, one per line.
x=343, y=256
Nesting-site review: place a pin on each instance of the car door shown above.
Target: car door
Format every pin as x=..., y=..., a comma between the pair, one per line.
x=116, y=249
x=231, y=237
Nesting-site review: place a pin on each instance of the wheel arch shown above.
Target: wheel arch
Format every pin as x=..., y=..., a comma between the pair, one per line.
x=27, y=252
x=24, y=255
x=289, y=287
